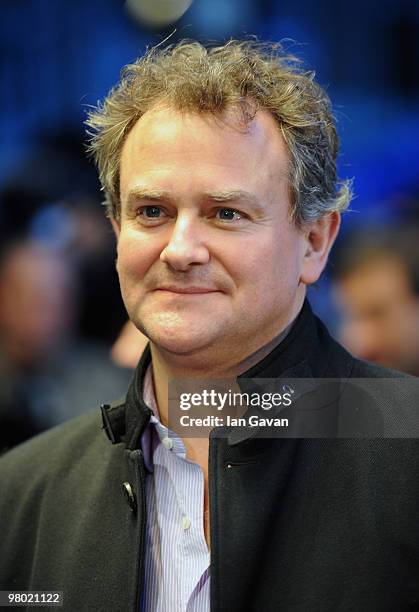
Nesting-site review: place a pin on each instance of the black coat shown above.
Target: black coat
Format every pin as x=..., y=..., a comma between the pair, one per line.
x=307, y=525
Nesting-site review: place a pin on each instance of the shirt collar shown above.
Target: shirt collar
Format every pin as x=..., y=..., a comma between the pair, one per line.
x=155, y=432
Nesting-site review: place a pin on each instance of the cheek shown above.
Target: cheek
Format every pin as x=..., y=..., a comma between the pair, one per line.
x=270, y=263
x=135, y=256
x=279, y=260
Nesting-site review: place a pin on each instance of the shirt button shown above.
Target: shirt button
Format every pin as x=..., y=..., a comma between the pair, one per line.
x=186, y=522
x=167, y=443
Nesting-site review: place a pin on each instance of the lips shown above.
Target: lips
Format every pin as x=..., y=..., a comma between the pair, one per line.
x=192, y=290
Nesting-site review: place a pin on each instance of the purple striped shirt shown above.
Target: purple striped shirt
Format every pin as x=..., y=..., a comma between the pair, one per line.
x=177, y=558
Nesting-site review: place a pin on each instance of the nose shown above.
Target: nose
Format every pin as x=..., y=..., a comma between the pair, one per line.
x=185, y=246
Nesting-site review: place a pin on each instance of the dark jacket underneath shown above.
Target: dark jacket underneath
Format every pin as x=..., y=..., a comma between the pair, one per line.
x=307, y=525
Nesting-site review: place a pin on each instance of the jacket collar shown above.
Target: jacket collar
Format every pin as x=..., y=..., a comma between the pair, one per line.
x=297, y=356
x=125, y=420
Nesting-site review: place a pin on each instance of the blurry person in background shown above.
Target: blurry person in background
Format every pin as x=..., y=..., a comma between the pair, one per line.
x=36, y=302
x=53, y=197
x=47, y=373
x=36, y=311
x=376, y=286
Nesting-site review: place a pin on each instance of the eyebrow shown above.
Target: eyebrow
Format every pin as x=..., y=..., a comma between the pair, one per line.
x=237, y=195
x=228, y=196
x=158, y=195
x=146, y=194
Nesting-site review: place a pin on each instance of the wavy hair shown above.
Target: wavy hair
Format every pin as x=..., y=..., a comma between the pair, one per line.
x=248, y=75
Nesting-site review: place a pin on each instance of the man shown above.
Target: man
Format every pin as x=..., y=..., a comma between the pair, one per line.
x=377, y=289
x=219, y=171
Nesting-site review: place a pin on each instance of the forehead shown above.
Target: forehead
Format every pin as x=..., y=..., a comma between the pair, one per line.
x=167, y=146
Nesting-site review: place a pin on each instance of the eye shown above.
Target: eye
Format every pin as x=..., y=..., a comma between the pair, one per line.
x=150, y=212
x=228, y=214
x=151, y=215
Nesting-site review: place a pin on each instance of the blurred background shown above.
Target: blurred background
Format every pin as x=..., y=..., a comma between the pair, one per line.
x=60, y=309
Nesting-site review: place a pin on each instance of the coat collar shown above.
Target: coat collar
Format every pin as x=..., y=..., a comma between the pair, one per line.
x=298, y=356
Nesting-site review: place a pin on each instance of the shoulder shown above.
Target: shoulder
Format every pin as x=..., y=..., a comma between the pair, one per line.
x=60, y=473
x=53, y=452
x=382, y=402
x=366, y=369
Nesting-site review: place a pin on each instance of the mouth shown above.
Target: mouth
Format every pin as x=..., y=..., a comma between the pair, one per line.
x=192, y=290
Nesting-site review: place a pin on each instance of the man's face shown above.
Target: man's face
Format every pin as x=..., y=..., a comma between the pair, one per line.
x=381, y=314
x=207, y=255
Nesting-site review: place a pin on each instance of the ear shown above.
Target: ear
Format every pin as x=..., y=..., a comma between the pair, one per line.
x=116, y=227
x=320, y=236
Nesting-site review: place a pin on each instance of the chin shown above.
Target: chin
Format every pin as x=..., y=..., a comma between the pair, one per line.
x=179, y=334
x=175, y=340
x=177, y=344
